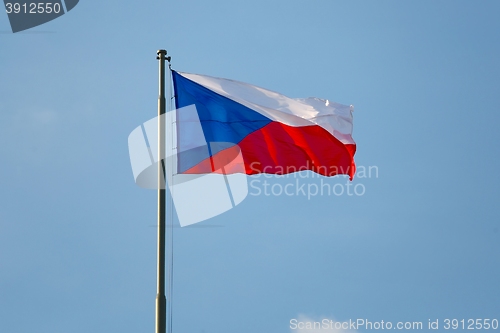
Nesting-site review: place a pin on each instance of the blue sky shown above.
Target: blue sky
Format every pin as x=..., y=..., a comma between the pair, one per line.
x=77, y=236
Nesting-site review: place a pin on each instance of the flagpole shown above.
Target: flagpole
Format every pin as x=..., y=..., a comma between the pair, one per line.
x=160, y=294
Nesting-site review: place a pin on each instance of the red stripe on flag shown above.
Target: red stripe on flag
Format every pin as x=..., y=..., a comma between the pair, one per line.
x=282, y=149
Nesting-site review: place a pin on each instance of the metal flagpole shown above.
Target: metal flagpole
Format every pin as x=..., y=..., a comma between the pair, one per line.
x=160, y=295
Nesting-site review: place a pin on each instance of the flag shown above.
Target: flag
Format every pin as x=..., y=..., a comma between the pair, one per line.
x=273, y=133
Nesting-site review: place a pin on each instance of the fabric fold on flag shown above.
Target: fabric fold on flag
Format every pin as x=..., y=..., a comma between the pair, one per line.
x=274, y=133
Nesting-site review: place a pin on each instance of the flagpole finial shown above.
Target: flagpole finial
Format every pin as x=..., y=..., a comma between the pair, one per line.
x=161, y=52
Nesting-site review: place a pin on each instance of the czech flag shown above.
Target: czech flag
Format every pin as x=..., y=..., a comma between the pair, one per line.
x=273, y=133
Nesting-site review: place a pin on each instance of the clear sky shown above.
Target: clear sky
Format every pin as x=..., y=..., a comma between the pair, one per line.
x=78, y=237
